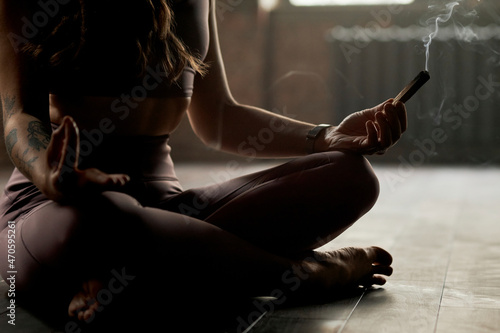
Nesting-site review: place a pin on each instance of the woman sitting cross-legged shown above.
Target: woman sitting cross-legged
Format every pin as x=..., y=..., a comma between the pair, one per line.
x=89, y=103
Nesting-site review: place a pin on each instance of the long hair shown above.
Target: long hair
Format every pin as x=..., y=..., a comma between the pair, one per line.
x=139, y=30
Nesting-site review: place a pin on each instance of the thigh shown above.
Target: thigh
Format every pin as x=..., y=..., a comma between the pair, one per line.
x=299, y=205
x=203, y=202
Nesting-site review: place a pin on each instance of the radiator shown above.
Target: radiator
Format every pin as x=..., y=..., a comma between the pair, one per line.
x=455, y=117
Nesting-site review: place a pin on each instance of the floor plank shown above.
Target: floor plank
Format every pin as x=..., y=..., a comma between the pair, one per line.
x=397, y=307
x=474, y=264
x=25, y=322
x=299, y=325
x=467, y=320
x=467, y=296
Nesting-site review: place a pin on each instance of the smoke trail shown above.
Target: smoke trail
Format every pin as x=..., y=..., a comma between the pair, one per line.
x=441, y=18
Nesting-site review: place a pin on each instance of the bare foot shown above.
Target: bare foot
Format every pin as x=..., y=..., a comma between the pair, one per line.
x=350, y=267
x=84, y=303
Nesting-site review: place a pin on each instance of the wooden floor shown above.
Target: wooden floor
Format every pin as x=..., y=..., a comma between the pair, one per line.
x=442, y=226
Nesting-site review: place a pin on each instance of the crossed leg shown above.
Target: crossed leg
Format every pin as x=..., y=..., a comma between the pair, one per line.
x=252, y=227
x=249, y=232
x=291, y=208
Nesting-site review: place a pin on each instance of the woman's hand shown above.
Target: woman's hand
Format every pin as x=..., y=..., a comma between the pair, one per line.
x=64, y=180
x=371, y=131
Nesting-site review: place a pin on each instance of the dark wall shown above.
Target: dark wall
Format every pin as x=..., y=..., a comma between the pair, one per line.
x=282, y=60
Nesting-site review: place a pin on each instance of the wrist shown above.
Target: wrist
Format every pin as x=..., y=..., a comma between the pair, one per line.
x=42, y=179
x=316, y=139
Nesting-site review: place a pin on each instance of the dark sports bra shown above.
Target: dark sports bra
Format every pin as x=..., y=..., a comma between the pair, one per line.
x=105, y=74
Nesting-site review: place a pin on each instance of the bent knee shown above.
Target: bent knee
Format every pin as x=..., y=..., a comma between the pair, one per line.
x=360, y=171
x=361, y=183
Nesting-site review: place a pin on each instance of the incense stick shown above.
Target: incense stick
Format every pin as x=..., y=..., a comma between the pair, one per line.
x=412, y=87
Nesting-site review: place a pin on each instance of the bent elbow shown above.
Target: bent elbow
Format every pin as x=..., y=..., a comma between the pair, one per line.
x=208, y=123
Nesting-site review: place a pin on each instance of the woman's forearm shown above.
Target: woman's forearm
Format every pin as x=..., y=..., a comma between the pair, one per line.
x=26, y=141
x=256, y=133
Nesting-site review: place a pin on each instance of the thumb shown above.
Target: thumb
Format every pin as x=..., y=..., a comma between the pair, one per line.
x=71, y=140
x=64, y=139
x=62, y=149
x=55, y=155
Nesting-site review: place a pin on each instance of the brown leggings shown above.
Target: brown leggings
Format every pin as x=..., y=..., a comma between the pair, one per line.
x=294, y=207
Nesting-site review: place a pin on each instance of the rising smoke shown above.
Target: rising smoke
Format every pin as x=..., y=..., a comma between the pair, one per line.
x=443, y=17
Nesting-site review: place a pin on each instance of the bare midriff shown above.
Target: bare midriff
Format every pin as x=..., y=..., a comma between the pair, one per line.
x=121, y=115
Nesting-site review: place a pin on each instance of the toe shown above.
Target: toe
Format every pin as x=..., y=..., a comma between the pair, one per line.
x=378, y=280
x=373, y=280
x=77, y=303
x=84, y=304
x=380, y=256
x=383, y=270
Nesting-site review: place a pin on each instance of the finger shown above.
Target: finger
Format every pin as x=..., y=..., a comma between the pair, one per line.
x=393, y=120
x=95, y=180
x=371, y=137
x=384, y=135
x=377, y=146
x=118, y=180
x=402, y=115
x=382, y=105
x=386, y=103
x=371, y=112
x=73, y=139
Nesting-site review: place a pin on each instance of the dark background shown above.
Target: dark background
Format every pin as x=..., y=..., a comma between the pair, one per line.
x=285, y=60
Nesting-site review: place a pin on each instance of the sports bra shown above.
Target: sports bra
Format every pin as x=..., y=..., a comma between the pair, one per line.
x=104, y=74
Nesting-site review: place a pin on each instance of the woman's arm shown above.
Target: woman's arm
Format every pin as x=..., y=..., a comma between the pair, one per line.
x=221, y=122
x=40, y=154
x=25, y=102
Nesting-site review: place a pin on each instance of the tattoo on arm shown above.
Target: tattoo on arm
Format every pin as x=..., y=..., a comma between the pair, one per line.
x=22, y=164
x=25, y=166
x=38, y=136
x=8, y=105
x=11, y=140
